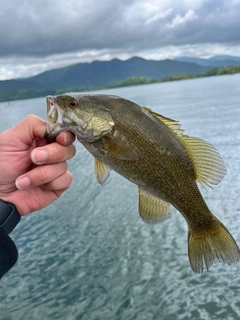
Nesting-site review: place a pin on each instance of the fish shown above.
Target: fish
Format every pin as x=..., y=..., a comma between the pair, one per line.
x=153, y=152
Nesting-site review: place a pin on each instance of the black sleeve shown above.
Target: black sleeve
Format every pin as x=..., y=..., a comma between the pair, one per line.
x=9, y=218
x=8, y=253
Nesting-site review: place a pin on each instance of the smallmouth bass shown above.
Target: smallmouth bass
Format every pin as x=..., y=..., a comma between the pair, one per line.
x=153, y=152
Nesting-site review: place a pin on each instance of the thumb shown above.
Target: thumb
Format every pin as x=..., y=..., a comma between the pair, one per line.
x=26, y=131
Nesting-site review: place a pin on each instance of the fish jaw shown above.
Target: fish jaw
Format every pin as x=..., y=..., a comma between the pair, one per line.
x=87, y=121
x=55, y=123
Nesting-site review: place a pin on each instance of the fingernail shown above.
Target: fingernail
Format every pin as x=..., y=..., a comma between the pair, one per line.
x=67, y=138
x=23, y=183
x=39, y=156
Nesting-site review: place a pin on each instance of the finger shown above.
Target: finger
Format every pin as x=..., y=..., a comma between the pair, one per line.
x=61, y=183
x=26, y=131
x=65, y=138
x=41, y=175
x=40, y=143
x=52, y=153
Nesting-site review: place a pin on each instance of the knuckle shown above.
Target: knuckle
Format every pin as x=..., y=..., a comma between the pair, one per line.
x=63, y=166
x=69, y=178
x=61, y=183
x=73, y=150
x=30, y=117
x=59, y=153
x=43, y=174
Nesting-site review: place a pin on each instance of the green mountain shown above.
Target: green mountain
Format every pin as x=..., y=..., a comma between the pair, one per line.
x=216, y=61
x=94, y=75
x=104, y=73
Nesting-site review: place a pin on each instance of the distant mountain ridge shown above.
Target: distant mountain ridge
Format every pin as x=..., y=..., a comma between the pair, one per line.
x=215, y=61
x=100, y=74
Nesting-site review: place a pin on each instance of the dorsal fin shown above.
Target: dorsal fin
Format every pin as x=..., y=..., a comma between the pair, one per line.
x=208, y=164
x=174, y=125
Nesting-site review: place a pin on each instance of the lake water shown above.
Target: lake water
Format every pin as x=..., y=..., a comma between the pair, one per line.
x=89, y=256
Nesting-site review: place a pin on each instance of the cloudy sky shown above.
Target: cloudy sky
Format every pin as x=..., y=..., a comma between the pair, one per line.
x=44, y=34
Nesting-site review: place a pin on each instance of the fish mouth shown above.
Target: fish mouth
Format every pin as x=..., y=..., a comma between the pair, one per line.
x=55, y=123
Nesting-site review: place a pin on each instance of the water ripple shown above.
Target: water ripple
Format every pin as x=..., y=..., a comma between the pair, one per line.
x=89, y=256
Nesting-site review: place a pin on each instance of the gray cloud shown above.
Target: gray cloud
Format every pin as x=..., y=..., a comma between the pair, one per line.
x=49, y=33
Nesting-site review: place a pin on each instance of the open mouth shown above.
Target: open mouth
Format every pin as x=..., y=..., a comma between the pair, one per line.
x=54, y=118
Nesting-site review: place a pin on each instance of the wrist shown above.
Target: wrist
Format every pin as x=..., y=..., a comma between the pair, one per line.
x=9, y=216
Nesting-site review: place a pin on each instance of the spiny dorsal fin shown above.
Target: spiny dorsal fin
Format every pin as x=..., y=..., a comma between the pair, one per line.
x=174, y=125
x=208, y=164
x=152, y=209
x=102, y=171
x=120, y=149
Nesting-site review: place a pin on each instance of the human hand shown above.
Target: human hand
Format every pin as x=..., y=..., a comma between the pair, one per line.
x=33, y=172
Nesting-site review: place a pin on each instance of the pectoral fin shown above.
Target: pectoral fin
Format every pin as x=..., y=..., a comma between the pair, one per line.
x=102, y=171
x=151, y=209
x=120, y=150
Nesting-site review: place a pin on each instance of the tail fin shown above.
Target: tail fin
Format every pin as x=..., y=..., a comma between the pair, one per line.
x=210, y=246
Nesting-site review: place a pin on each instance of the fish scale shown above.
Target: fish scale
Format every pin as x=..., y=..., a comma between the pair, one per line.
x=152, y=166
x=153, y=152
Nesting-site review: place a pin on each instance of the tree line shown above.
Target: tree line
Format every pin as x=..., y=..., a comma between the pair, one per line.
x=182, y=76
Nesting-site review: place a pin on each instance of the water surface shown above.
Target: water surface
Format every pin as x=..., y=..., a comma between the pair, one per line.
x=89, y=256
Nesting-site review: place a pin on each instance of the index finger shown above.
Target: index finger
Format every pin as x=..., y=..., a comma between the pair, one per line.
x=52, y=153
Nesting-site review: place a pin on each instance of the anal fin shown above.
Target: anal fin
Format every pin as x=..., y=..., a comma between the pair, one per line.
x=152, y=209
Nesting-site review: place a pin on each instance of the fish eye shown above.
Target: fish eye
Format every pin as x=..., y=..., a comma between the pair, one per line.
x=73, y=103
